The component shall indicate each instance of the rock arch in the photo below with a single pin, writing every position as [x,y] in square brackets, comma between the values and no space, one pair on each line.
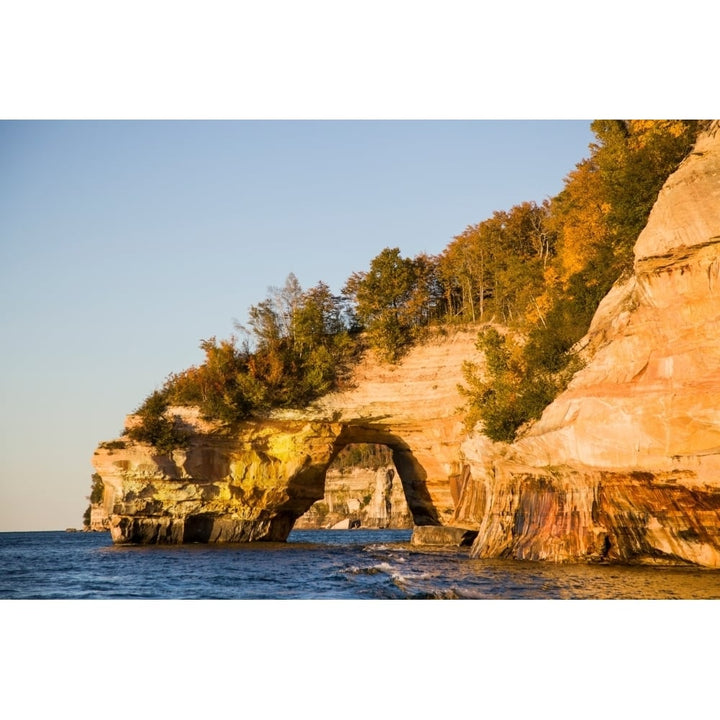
[251,486]
[253,483]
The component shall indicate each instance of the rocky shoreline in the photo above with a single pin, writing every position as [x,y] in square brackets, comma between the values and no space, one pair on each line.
[623,466]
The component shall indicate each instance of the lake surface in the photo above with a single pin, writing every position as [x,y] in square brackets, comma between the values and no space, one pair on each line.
[328,564]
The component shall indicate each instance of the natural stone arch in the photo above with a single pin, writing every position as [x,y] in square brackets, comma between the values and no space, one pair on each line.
[253,482]
[314,447]
[251,486]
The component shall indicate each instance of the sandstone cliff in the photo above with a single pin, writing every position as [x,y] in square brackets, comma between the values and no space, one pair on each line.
[625,465]
[254,483]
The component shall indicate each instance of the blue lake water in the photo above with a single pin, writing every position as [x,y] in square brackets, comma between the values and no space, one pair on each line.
[340,564]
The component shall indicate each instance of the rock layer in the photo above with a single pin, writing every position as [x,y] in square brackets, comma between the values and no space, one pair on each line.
[625,465]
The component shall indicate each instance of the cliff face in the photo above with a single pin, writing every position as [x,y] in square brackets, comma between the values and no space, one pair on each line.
[254,484]
[625,464]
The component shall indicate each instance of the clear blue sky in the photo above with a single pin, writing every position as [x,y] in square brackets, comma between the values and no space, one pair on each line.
[123,244]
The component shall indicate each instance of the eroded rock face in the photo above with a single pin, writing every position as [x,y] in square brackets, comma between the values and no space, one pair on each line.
[253,484]
[220,489]
[625,465]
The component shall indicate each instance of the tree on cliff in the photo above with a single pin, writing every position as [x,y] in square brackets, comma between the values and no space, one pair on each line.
[297,347]
[496,268]
[395,298]
[509,392]
[96,495]
[302,344]
[380,297]
[156,427]
[634,158]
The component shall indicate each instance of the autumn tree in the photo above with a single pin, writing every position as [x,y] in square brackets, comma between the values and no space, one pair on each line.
[425,304]
[524,247]
[634,158]
[497,267]
[464,269]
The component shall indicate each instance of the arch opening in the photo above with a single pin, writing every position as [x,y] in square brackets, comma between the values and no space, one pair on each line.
[362,490]
[373,480]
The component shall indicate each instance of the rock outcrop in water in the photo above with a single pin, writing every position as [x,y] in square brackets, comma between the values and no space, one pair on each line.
[254,483]
[625,465]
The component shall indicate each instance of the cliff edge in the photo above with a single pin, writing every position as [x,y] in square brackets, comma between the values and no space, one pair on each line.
[625,464]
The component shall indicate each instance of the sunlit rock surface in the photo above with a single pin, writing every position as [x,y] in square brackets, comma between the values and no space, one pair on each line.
[625,465]
[220,489]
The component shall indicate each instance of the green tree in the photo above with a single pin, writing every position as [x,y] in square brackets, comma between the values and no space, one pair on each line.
[509,393]
[97,489]
[155,427]
[383,299]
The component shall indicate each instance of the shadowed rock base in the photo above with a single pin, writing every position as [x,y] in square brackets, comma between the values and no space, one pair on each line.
[201,528]
[569,515]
